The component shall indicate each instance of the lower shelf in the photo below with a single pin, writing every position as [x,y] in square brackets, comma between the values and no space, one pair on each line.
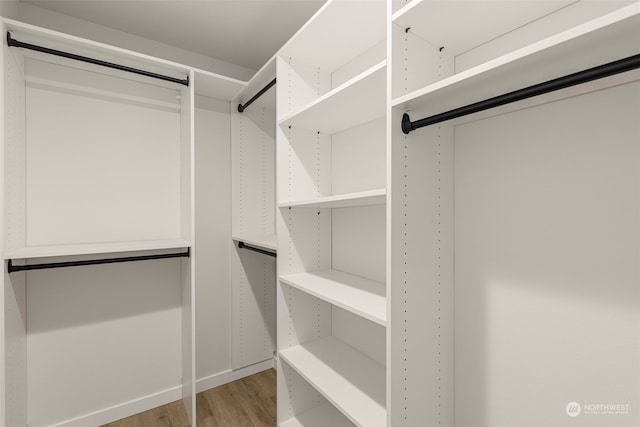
[351,381]
[321,416]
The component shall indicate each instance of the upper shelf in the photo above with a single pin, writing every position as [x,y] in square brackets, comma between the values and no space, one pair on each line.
[207,83]
[611,37]
[362,198]
[337,33]
[259,80]
[363,94]
[95,248]
[216,86]
[439,22]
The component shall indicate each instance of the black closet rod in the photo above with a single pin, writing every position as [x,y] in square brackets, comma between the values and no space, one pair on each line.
[11,268]
[269,85]
[242,245]
[15,43]
[595,73]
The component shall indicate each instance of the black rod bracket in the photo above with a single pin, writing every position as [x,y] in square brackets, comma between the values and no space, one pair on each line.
[243,245]
[601,71]
[11,42]
[11,268]
[242,107]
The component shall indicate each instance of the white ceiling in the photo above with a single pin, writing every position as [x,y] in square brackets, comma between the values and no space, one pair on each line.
[242,32]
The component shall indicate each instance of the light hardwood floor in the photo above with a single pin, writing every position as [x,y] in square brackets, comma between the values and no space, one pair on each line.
[248,402]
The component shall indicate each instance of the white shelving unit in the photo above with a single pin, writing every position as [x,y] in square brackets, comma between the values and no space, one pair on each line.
[79,184]
[332,306]
[354,383]
[501,169]
[253,223]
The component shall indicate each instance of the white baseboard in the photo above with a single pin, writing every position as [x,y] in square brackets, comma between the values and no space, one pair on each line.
[142,404]
[228,376]
[124,410]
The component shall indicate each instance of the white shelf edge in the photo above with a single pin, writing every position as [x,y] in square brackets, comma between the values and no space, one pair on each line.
[266,241]
[527,51]
[95,248]
[328,382]
[405,9]
[257,77]
[322,415]
[369,197]
[345,86]
[329,290]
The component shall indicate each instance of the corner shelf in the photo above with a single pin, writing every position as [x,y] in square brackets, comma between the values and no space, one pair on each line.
[362,198]
[540,61]
[320,416]
[351,381]
[358,295]
[364,94]
[95,248]
[216,86]
[268,242]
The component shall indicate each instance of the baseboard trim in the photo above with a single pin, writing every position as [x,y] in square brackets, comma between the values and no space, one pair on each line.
[124,410]
[151,401]
[225,377]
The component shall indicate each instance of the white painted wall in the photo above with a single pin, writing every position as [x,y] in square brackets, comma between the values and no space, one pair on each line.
[9,8]
[213,237]
[81,28]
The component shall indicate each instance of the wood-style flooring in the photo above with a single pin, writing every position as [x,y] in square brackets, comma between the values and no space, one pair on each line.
[248,402]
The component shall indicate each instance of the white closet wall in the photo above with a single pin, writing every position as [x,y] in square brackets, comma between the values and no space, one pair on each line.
[213,233]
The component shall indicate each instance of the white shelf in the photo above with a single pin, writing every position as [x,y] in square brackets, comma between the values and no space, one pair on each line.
[439,22]
[356,294]
[599,41]
[259,80]
[321,416]
[337,33]
[352,382]
[263,241]
[216,86]
[95,248]
[362,198]
[364,95]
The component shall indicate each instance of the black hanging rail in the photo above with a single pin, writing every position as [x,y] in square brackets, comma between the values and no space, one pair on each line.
[595,73]
[242,107]
[242,245]
[15,43]
[13,268]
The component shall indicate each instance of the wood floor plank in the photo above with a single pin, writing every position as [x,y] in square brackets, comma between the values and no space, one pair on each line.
[247,402]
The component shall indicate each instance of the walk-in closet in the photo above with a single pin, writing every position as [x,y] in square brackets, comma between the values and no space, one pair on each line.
[372,213]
